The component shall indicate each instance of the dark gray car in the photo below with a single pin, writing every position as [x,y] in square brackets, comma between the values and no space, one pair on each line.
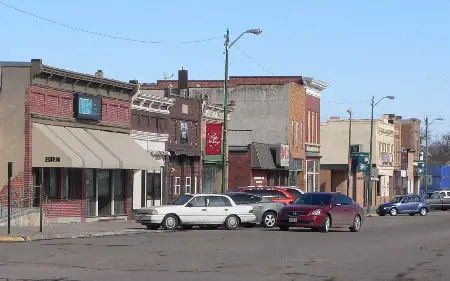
[439,202]
[265,210]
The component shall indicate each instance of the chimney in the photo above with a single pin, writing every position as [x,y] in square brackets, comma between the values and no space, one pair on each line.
[99,73]
[182,79]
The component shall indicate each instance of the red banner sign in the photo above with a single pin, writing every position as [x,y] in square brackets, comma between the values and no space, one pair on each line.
[213,145]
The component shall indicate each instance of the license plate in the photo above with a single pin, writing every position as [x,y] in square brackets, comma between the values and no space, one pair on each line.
[292,219]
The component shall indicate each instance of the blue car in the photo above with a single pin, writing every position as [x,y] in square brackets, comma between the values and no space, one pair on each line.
[405,204]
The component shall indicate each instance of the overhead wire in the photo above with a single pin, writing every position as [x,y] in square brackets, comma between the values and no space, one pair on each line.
[253,60]
[102,34]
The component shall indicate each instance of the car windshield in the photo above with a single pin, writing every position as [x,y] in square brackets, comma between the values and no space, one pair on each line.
[294,192]
[397,199]
[313,199]
[436,196]
[182,200]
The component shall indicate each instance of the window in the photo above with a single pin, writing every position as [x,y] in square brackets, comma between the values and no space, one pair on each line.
[347,200]
[313,127]
[183,132]
[313,199]
[415,199]
[296,134]
[292,133]
[312,175]
[309,126]
[240,199]
[216,201]
[317,128]
[153,186]
[294,192]
[182,200]
[187,185]
[199,201]
[72,184]
[302,141]
[176,185]
[52,182]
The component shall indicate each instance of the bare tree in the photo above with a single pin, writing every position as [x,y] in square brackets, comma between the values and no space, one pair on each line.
[439,149]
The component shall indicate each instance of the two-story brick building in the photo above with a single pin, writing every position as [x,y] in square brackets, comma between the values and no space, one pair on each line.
[69,133]
[150,129]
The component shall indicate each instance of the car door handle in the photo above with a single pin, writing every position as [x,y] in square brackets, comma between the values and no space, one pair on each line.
[226,209]
[203,209]
[260,205]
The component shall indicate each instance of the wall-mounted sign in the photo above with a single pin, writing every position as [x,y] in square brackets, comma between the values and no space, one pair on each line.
[282,151]
[87,107]
[52,159]
[213,145]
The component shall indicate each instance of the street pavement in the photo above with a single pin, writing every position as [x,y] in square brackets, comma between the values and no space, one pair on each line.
[387,248]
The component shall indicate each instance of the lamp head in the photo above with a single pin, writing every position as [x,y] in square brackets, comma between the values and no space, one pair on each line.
[390,97]
[256,31]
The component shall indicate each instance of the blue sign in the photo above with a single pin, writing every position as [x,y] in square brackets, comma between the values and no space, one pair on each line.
[88,107]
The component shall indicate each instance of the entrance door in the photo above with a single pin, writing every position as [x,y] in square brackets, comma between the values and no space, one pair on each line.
[91,194]
[210,178]
[153,194]
[104,192]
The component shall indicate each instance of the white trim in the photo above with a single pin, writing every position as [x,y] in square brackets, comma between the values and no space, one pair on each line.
[177,187]
[187,187]
[195,185]
[147,136]
[151,103]
[314,87]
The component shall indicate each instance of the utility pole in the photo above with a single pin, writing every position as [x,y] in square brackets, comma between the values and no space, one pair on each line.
[426,155]
[369,180]
[349,152]
[225,116]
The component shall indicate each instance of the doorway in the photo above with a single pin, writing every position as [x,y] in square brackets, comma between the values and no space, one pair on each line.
[104,192]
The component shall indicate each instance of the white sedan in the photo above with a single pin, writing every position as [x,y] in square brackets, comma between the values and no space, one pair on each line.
[205,210]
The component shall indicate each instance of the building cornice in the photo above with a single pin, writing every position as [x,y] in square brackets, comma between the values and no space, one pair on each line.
[214,111]
[151,103]
[314,87]
[148,136]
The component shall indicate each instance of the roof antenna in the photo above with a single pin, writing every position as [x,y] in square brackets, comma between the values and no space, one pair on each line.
[166,76]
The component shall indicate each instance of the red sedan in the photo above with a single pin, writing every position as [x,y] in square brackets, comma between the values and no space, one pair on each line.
[322,211]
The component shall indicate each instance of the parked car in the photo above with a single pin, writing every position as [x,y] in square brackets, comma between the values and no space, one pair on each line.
[438,202]
[276,194]
[404,204]
[322,211]
[265,210]
[443,193]
[428,195]
[208,210]
[293,190]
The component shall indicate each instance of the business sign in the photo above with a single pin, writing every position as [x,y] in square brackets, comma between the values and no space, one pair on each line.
[87,107]
[362,161]
[420,167]
[213,142]
[282,152]
[50,159]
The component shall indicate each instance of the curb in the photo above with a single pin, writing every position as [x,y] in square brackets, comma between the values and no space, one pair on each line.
[373,215]
[9,239]
[40,237]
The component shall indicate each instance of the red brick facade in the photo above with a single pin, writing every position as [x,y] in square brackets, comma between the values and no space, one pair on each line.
[313,108]
[240,167]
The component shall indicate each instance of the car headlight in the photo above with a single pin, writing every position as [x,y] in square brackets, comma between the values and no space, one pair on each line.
[386,207]
[154,212]
[316,212]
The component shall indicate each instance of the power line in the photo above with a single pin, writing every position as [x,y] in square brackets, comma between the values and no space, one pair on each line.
[253,60]
[343,103]
[101,34]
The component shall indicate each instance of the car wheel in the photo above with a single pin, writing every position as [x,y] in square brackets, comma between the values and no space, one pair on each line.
[152,227]
[412,215]
[326,224]
[284,228]
[423,211]
[170,222]
[393,212]
[356,226]
[232,222]
[269,219]
[187,227]
[248,225]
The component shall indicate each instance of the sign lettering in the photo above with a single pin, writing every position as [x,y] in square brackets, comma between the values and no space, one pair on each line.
[52,159]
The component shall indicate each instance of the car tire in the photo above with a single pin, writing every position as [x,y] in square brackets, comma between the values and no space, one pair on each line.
[356,226]
[232,222]
[269,219]
[326,224]
[423,211]
[393,212]
[187,227]
[412,215]
[152,227]
[170,222]
[284,228]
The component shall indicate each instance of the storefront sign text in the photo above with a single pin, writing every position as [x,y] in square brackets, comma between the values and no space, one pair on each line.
[52,159]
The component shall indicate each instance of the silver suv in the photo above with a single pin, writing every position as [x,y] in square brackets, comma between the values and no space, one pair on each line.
[264,209]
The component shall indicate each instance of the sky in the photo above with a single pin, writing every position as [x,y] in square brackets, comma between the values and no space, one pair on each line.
[361,48]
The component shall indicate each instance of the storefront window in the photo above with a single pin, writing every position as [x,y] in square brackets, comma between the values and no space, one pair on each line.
[91,197]
[119,193]
[72,184]
[153,186]
[52,182]
[312,175]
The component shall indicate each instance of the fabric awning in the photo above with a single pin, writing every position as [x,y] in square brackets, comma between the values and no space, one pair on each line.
[130,154]
[49,149]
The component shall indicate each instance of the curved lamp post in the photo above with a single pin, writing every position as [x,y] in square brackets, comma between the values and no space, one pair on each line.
[228,45]
[369,181]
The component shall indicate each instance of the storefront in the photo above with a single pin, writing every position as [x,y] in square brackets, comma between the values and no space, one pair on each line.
[78,145]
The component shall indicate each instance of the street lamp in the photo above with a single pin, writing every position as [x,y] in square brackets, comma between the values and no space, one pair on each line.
[349,111]
[369,182]
[426,149]
[228,45]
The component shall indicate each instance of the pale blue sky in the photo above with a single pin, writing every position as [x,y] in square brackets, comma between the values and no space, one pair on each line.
[360,48]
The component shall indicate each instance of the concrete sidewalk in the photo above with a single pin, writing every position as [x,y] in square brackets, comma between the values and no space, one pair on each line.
[73,230]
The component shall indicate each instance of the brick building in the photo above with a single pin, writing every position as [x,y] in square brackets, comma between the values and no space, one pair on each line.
[150,129]
[184,164]
[69,132]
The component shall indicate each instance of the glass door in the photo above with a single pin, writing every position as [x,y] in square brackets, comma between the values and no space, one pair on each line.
[104,192]
[91,193]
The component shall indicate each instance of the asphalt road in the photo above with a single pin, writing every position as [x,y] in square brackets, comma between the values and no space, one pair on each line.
[387,248]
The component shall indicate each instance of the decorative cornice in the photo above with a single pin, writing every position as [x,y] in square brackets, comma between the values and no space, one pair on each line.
[314,87]
[214,111]
[147,136]
[151,103]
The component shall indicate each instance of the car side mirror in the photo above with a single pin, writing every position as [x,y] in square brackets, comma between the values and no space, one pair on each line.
[189,205]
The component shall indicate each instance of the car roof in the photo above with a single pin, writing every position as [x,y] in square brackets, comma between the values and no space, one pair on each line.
[205,194]
[323,193]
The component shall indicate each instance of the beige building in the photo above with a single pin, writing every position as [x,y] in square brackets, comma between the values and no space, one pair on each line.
[334,146]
